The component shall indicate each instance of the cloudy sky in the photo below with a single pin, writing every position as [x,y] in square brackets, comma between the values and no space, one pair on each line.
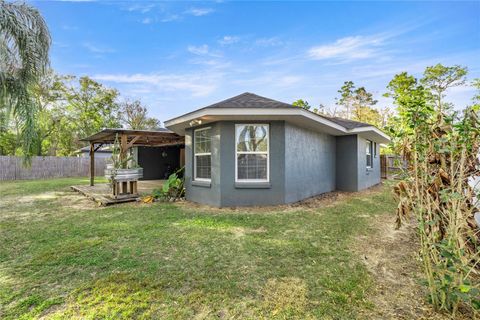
[179,56]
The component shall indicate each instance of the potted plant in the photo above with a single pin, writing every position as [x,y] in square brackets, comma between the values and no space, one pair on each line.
[119,169]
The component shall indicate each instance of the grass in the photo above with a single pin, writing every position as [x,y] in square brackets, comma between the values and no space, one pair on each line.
[61,258]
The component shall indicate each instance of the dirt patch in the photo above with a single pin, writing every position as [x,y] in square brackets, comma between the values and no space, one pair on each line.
[285,295]
[310,204]
[391,257]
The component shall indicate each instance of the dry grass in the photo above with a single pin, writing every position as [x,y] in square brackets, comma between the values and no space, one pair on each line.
[391,257]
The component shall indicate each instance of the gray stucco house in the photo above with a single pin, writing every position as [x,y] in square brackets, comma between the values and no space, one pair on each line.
[249,150]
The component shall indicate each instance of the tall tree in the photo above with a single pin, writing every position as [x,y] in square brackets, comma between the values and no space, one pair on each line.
[92,106]
[362,107]
[358,104]
[134,116]
[438,79]
[88,108]
[24,45]
[302,104]
[49,95]
[346,99]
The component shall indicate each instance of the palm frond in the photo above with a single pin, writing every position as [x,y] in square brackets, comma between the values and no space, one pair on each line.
[24,46]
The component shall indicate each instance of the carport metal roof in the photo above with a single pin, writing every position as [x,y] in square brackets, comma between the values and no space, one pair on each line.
[152,138]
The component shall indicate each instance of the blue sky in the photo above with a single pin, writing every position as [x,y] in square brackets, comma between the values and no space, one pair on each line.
[179,56]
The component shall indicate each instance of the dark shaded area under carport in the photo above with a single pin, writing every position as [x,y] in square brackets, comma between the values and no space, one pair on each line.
[158,162]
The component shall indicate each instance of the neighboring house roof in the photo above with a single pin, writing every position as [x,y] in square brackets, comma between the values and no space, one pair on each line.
[249,106]
[106,149]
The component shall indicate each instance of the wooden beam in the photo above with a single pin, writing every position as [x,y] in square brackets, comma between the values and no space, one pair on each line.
[92,164]
[99,146]
[130,144]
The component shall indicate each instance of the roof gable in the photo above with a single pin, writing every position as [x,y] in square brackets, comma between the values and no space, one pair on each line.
[249,100]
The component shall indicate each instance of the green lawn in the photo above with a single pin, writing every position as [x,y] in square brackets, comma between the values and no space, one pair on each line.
[61,257]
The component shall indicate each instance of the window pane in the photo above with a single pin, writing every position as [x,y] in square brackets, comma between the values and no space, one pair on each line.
[252,138]
[369,160]
[202,141]
[203,167]
[252,166]
[369,147]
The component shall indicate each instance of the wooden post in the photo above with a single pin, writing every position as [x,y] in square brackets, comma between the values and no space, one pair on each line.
[92,164]
[123,156]
[123,147]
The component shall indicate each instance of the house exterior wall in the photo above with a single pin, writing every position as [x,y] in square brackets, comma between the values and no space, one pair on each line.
[371,176]
[302,164]
[207,193]
[235,194]
[347,163]
[309,163]
[352,173]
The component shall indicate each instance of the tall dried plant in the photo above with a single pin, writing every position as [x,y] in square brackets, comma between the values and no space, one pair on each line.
[442,148]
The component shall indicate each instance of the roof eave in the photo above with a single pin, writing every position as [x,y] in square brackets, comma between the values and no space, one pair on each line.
[208,115]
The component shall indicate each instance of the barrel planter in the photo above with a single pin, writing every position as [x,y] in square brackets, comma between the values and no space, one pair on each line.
[124,184]
[124,174]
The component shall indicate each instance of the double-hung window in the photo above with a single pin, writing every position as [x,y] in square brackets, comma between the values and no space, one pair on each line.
[252,153]
[202,147]
[369,152]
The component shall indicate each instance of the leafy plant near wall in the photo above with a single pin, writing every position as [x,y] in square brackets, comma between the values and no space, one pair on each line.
[442,147]
[173,189]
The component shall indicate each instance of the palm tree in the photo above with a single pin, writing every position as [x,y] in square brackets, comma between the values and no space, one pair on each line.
[24,45]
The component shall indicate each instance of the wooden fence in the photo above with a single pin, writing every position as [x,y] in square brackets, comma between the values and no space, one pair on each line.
[391,166]
[12,168]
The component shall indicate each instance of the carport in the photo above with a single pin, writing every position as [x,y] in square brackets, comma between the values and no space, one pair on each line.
[159,152]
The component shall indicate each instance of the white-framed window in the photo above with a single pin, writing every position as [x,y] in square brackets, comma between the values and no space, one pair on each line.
[368,150]
[252,152]
[202,154]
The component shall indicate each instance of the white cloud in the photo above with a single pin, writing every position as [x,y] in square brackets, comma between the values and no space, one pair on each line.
[198,12]
[143,8]
[349,48]
[196,84]
[270,79]
[199,50]
[269,42]
[170,18]
[203,50]
[226,40]
[147,21]
[97,49]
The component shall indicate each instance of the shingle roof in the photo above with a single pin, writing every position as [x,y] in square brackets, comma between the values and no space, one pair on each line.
[250,100]
[349,124]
